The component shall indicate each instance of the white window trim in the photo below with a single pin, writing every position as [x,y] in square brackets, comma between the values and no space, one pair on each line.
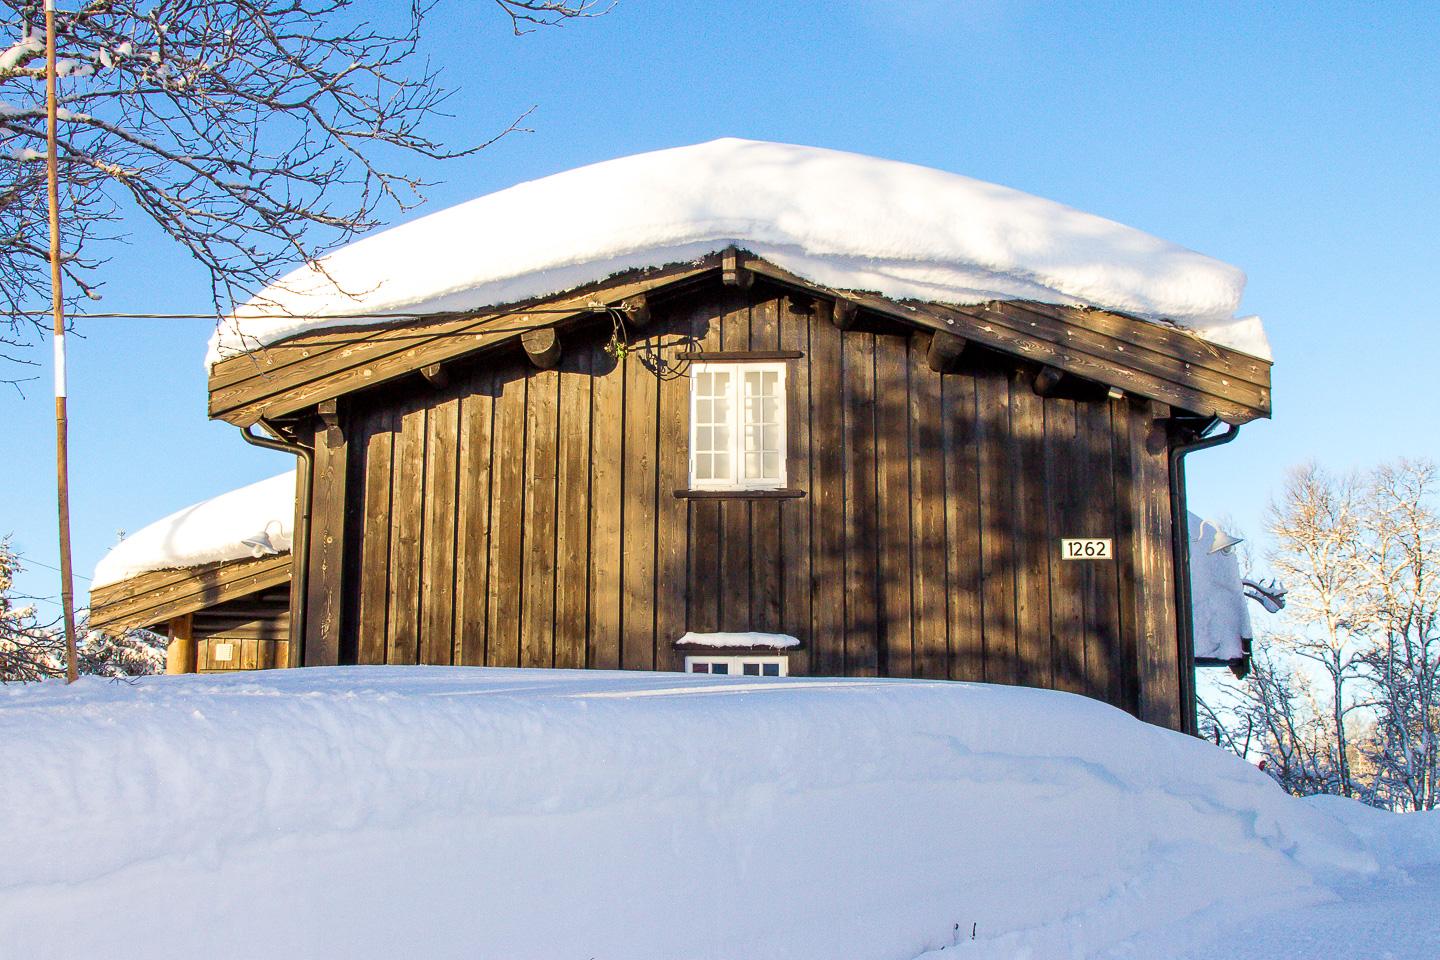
[737,427]
[737,662]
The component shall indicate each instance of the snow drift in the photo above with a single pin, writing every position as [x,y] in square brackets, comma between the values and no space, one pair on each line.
[842,220]
[454,812]
[207,532]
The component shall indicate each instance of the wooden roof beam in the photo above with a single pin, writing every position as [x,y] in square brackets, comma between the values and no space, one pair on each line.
[945,350]
[542,346]
[844,313]
[1047,380]
[733,271]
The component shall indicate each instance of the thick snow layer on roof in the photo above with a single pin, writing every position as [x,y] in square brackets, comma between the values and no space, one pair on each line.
[838,219]
[774,641]
[207,532]
[462,812]
[1221,611]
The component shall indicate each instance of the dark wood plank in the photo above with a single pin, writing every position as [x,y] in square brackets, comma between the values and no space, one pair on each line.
[717,356]
[1128,653]
[607,419]
[1066,469]
[437,580]
[795,541]
[637,611]
[765,576]
[372,626]
[507,527]
[1158,642]
[705,534]
[1107,667]
[672,514]
[893,502]
[408,478]
[472,521]
[1032,534]
[861,535]
[572,531]
[928,560]
[963,593]
[735,554]
[997,522]
[827,497]
[325,582]
[537,634]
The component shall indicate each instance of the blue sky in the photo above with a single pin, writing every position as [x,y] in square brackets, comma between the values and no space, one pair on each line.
[1298,141]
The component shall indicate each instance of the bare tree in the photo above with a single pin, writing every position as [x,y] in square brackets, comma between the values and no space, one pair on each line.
[1321,555]
[254,133]
[1404,659]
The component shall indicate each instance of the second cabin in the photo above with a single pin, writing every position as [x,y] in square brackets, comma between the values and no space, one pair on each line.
[749,461]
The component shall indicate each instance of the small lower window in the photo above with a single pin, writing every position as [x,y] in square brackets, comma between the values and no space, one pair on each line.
[743,666]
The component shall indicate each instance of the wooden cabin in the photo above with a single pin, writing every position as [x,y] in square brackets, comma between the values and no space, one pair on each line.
[609,477]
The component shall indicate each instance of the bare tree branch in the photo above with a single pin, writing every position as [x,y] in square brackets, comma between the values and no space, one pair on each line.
[254,133]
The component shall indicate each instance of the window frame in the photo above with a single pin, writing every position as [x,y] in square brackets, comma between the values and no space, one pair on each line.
[737,662]
[737,370]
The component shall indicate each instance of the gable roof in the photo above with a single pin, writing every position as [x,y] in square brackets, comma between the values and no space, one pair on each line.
[839,220]
[1143,358]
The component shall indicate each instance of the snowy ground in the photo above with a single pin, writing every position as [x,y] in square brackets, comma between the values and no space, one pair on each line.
[443,812]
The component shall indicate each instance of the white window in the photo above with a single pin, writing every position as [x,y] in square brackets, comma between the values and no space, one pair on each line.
[741,666]
[737,426]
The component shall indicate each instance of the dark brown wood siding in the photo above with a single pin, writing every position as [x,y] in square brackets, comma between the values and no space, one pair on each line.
[514,516]
[249,633]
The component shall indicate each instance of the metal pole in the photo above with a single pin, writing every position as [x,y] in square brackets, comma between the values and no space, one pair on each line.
[57,308]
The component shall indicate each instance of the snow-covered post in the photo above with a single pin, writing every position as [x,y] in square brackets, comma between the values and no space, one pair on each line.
[57,308]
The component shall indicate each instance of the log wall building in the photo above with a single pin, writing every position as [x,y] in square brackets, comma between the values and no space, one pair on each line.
[514,488]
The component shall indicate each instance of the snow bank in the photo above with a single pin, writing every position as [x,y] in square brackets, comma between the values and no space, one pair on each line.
[448,812]
[774,641]
[839,219]
[208,532]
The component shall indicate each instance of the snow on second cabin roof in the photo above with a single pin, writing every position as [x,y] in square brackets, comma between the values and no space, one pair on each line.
[208,532]
[841,220]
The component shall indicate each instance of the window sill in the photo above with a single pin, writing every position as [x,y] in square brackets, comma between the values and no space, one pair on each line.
[782,493]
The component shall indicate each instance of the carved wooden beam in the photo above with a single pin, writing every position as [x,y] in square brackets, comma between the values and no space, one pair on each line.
[436,374]
[329,413]
[945,349]
[1047,380]
[543,347]
[732,269]
[637,312]
[843,314]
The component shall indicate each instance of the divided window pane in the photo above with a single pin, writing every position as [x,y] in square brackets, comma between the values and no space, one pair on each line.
[737,425]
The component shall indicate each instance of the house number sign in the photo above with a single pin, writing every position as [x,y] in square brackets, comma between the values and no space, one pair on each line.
[1087,548]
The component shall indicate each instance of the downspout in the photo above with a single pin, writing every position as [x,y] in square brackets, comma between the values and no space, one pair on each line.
[1180,542]
[300,541]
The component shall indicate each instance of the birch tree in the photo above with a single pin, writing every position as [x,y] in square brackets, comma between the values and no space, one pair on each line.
[1320,553]
[1404,658]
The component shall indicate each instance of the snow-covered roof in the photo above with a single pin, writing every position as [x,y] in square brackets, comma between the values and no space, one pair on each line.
[771,641]
[208,532]
[838,219]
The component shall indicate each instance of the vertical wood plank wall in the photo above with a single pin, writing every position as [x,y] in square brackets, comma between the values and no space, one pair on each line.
[525,517]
